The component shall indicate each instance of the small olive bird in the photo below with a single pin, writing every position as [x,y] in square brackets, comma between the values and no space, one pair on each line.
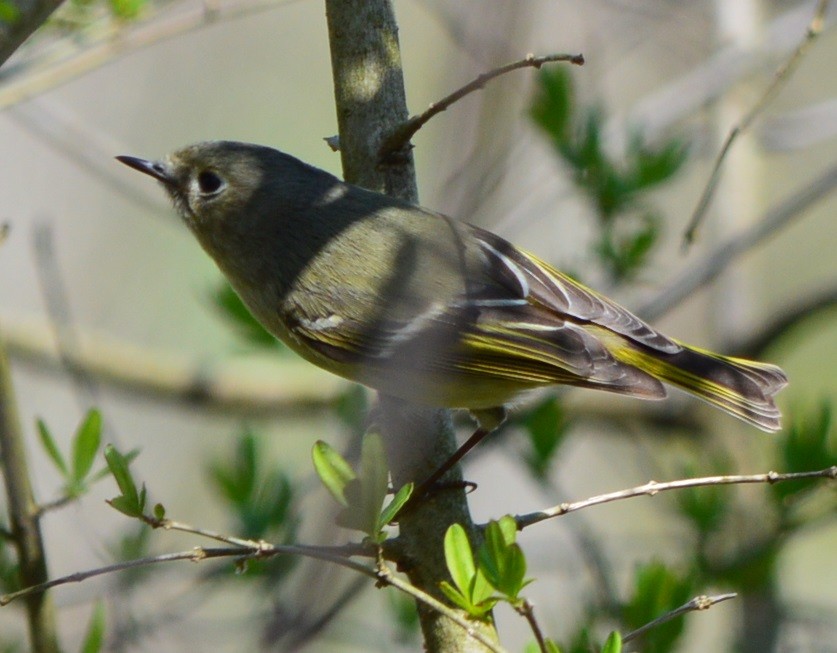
[421,306]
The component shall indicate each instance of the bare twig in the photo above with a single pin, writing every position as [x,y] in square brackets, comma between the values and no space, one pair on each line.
[780,77]
[337,555]
[527,611]
[196,555]
[698,603]
[710,267]
[345,550]
[405,131]
[653,487]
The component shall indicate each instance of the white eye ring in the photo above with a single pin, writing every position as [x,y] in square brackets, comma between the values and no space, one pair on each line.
[209,182]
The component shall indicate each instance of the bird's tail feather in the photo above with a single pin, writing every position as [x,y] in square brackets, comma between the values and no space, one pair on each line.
[742,388]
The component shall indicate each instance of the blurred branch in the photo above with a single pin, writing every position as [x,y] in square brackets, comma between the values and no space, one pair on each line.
[60,314]
[802,311]
[781,76]
[402,134]
[228,386]
[104,45]
[712,265]
[23,517]
[653,487]
[698,603]
[30,15]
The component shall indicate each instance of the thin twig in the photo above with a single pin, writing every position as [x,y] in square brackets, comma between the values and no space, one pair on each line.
[55,504]
[702,602]
[344,550]
[337,555]
[653,487]
[527,611]
[716,262]
[780,77]
[196,555]
[406,130]
[221,385]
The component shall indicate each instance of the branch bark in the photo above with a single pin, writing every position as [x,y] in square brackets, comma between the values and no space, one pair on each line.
[370,100]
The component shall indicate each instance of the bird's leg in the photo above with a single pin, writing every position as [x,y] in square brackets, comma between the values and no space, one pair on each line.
[487,421]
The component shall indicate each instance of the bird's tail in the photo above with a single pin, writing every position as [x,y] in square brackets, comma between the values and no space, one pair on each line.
[742,388]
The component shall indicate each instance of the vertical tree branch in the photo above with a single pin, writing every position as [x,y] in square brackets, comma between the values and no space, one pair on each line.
[369,94]
[23,517]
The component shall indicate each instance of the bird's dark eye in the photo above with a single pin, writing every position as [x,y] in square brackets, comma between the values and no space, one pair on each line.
[209,182]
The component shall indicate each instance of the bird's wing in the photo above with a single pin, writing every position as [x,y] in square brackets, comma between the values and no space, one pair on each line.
[556,292]
[519,321]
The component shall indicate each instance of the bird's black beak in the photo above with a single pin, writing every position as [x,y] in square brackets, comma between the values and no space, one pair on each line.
[152,168]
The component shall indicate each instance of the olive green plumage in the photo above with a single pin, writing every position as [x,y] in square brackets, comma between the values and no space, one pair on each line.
[421,306]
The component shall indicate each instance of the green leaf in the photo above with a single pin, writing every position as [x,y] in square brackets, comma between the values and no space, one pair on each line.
[457,598]
[481,592]
[105,471]
[638,245]
[126,506]
[333,470]
[9,12]
[651,167]
[118,466]
[554,103]
[391,511]
[613,643]
[459,558]
[126,9]
[52,448]
[501,559]
[95,636]
[551,646]
[86,444]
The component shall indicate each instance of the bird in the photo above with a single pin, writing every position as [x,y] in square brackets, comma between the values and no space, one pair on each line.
[421,306]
